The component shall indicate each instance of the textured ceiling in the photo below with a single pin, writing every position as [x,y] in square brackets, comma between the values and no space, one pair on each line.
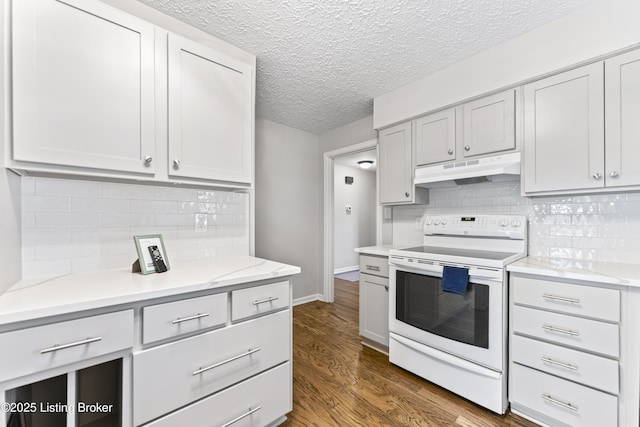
[321,62]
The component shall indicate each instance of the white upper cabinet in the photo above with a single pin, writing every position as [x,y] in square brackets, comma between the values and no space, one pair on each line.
[99,92]
[564,131]
[582,128]
[489,124]
[395,164]
[480,127]
[83,86]
[436,137]
[210,113]
[622,106]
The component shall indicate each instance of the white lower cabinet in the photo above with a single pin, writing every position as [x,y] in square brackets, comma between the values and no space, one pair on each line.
[255,402]
[567,352]
[560,401]
[374,301]
[196,367]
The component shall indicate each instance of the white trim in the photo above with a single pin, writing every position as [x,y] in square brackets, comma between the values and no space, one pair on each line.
[329,156]
[345,269]
[308,298]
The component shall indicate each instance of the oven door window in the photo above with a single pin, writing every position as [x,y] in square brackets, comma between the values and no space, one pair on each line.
[421,302]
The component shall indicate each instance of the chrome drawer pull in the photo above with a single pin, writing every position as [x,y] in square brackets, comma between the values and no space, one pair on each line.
[548,398]
[224,362]
[251,411]
[560,330]
[547,359]
[372,267]
[71,344]
[561,298]
[262,301]
[186,319]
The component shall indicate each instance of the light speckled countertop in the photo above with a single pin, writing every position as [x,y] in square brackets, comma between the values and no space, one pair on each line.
[381,250]
[592,271]
[42,297]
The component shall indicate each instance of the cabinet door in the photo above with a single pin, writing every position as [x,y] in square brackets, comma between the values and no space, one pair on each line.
[83,90]
[436,137]
[210,114]
[396,164]
[489,124]
[622,106]
[564,131]
[374,308]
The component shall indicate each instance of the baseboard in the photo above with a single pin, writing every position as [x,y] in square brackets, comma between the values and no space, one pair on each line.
[345,269]
[309,298]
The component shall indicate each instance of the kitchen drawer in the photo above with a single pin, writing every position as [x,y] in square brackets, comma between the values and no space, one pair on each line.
[264,397]
[592,335]
[589,407]
[162,321]
[584,368]
[259,300]
[598,303]
[376,265]
[196,367]
[40,348]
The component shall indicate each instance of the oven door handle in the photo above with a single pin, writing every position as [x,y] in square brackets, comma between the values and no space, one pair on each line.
[477,273]
[447,358]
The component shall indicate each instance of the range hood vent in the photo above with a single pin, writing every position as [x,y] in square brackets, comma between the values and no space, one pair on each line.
[496,168]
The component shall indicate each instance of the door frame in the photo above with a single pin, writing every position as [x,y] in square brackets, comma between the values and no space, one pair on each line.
[329,157]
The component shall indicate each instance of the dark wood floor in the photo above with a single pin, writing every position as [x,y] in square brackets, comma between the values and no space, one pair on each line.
[339,382]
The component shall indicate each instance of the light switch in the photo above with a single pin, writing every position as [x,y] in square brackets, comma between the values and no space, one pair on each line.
[201,223]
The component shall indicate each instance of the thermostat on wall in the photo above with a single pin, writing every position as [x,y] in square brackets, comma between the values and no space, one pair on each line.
[348,180]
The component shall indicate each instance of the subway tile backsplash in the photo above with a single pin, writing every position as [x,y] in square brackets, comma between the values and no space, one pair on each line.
[72,226]
[598,227]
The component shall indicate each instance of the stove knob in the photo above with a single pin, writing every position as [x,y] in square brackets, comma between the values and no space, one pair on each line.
[504,223]
[428,222]
[515,223]
[444,222]
[436,222]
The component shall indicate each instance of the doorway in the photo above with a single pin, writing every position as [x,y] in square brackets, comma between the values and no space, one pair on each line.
[338,197]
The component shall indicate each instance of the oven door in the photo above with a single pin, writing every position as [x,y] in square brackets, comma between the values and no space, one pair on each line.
[471,326]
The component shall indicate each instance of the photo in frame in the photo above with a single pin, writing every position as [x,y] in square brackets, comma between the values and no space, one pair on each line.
[152,255]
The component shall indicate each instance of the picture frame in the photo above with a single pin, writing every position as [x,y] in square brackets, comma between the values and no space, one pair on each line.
[145,264]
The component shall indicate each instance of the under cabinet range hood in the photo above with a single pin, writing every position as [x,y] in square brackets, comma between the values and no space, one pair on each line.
[495,168]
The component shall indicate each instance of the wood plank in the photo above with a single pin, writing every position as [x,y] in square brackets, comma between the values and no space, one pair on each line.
[339,382]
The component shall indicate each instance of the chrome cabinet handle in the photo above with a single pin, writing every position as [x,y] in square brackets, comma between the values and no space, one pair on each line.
[386,288]
[262,301]
[560,330]
[561,298]
[467,148]
[450,151]
[567,405]
[186,319]
[406,194]
[176,163]
[224,362]
[614,174]
[597,176]
[148,160]
[373,267]
[251,411]
[69,345]
[547,359]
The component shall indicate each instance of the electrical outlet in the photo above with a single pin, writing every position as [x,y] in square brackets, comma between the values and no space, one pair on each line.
[201,223]
[418,223]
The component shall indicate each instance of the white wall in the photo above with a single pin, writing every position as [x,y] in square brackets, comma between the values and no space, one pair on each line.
[289,203]
[10,238]
[71,226]
[597,29]
[356,228]
[599,227]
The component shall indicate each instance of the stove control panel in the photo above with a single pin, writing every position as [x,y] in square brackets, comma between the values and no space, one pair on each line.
[507,226]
